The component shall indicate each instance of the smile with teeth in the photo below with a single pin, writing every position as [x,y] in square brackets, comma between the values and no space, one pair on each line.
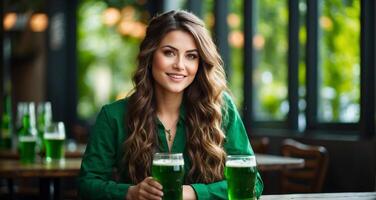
[176,76]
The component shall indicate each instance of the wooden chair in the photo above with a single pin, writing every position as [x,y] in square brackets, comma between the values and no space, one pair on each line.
[260,145]
[309,179]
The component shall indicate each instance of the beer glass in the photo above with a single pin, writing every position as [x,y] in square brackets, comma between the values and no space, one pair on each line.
[27,135]
[241,172]
[54,138]
[168,170]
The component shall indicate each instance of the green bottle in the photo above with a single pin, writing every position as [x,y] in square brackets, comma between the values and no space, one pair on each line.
[27,136]
[6,125]
[44,119]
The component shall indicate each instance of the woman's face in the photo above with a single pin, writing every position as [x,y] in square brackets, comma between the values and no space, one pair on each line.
[175,62]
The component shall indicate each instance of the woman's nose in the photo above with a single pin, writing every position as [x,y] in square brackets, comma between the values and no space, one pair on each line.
[179,64]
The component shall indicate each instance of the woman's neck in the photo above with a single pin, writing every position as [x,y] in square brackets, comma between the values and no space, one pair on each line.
[168,113]
[168,104]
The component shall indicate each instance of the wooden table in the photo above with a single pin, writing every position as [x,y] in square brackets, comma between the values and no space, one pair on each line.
[51,173]
[323,196]
[266,162]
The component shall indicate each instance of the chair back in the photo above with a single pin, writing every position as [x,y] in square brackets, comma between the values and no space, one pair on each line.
[260,145]
[309,179]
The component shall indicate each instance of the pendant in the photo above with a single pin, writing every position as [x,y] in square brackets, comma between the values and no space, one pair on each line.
[168,131]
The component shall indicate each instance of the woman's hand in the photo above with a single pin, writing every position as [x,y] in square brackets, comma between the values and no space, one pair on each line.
[189,193]
[148,189]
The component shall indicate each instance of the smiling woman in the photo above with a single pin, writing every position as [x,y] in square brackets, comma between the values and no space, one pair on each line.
[179,106]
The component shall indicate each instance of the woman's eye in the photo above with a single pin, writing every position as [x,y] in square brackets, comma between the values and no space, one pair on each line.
[192,56]
[168,53]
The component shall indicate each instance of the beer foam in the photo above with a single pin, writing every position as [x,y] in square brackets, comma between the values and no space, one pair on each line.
[241,163]
[168,162]
[27,139]
[49,136]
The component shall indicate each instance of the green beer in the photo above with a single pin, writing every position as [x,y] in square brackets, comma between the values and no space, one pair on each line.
[27,135]
[54,138]
[168,170]
[27,145]
[241,172]
[54,147]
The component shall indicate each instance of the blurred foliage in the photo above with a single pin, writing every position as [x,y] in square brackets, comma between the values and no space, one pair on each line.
[340,61]
[106,58]
[208,14]
[270,75]
[236,40]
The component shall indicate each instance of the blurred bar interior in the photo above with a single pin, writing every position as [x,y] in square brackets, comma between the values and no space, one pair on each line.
[298,69]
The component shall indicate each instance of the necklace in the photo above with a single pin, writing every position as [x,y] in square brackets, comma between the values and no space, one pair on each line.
[168,131]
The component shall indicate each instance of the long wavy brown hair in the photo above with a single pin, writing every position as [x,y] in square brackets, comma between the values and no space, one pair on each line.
[203,102]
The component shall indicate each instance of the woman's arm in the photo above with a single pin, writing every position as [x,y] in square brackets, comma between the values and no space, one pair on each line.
[189,193]
[95,179]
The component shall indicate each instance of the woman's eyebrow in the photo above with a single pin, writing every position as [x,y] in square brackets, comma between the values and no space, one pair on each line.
[193,50]
[169,46]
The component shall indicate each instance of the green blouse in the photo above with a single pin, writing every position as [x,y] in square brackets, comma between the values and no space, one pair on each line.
[104,153]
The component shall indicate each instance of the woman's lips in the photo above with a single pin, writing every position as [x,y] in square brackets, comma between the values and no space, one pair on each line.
[176,76]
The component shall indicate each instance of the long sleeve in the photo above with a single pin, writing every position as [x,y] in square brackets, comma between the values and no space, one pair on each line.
[95,180]
[236,143]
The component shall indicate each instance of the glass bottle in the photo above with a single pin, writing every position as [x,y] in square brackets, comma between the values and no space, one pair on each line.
[44,118]
[6,124]
[27,136]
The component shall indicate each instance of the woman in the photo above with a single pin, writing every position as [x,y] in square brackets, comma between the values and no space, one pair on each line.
[178,105]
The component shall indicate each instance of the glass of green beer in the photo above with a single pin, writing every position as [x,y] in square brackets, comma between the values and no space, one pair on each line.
[27,148]
[54,138]
[241,172]
[168,170]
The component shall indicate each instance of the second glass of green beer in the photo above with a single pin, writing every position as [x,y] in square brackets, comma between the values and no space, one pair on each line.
[241,172]
[54,138]
[168,170]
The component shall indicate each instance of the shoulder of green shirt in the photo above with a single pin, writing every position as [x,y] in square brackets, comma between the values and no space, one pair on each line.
[229,110]
[116,108]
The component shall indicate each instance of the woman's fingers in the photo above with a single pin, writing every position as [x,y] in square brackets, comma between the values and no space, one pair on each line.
[150,189]
[154,183]
[149,196]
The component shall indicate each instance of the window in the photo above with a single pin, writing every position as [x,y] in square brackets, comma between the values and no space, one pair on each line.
[270,68]
[333,71]
[236,42]
[339,61]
